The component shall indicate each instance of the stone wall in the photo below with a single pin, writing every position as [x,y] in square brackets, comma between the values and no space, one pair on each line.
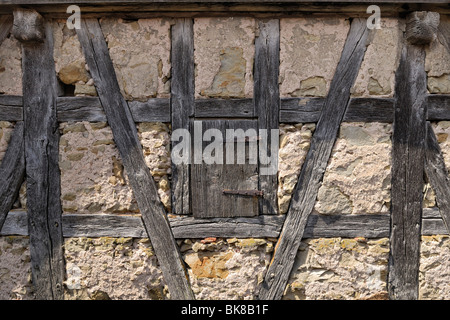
[356,181]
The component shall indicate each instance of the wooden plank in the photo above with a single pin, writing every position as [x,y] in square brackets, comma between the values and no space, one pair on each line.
[437,174]
[11,113]
[370,110]
[304,110]
[125,136]
[347,226]
[370,226]
[444,32]
[408,155]
[14,101]
[432,227]
[103,2]
[224,108]
[210,179]
[255,227]
[80,109]
[431,213]
[90,109]
[153,110]
[6,22]
[267,106]
[438,107]
[42,169]
[182,105]
[293,110]
[12,171]
[103,225]
[313,168]
[300,110]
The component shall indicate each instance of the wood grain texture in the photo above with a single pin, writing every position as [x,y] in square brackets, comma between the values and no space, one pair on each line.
[6,23]
[293,110]
[182,105]
[80,109]
[224,108]
[12,171]
[125,136]
[267,104]
[210,179]
[314,166]
[444,33]
[437,174]
[438,107]
[371,226]
[42,169]
[100,2]
[153,110]
[408,155]
[11,108]
[304,110]
[90,109]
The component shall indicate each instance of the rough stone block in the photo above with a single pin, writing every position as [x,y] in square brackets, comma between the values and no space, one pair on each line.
[224,53]
[310,49]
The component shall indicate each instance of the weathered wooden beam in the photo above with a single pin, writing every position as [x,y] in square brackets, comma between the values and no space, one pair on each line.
[153,110]
[80,109]
[438,107]
[293,110]
[6,22]
[224,108]
[267,107]
[12,171]
[258,9]
[125,136]
[437,174]
[371,226]
[314,166]
[444,33]
[303,110]
[182,105]
[11,108]
[105,2]
[408,155]
[41,140]
[90,109]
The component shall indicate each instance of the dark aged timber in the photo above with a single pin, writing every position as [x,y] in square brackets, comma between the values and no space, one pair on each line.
[220,201]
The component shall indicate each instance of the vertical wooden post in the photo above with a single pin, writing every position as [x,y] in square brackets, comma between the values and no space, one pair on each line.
[182,105]
[41,153]
[267,103]
[408,155]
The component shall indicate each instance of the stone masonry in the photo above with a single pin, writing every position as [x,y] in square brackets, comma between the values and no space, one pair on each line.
[356,181]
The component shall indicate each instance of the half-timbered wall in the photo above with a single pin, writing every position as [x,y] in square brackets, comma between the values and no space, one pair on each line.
[362,175]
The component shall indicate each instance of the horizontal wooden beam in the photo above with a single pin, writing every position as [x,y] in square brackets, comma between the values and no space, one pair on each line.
[293,110]
[224,108]
[437,174]
[296,110]
[135,9]
[11,108]
[438,107]
[264,226]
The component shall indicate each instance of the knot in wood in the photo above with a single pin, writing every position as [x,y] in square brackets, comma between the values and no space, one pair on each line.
[421,27]
[28,26]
